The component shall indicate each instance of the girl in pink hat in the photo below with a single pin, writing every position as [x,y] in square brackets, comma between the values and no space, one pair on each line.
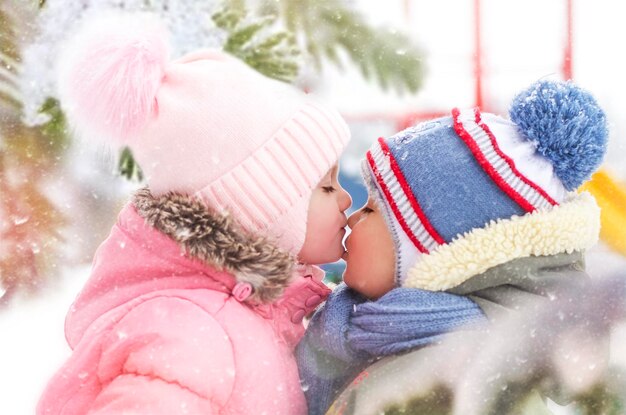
[196,298]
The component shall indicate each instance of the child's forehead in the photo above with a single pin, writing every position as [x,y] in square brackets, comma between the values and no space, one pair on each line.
[332,172]
[372,200]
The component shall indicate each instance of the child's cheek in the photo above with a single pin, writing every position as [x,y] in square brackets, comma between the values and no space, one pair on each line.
[326,228]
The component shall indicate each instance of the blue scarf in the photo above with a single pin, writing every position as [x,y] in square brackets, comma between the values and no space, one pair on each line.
[349,332]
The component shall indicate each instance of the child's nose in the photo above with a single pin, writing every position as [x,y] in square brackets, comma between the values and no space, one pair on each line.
[345,201]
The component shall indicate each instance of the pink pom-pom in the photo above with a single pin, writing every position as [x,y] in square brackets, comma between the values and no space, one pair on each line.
[110,72]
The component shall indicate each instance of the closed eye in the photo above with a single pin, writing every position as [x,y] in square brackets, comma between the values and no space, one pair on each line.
[328,189]
[367,210]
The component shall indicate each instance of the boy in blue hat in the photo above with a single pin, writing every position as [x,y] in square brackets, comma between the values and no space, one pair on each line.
[469,216]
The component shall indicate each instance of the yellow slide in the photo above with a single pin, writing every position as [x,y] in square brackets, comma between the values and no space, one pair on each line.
[611,197]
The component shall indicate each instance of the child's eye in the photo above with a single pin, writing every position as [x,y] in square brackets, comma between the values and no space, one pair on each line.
[367,210]
[328,189]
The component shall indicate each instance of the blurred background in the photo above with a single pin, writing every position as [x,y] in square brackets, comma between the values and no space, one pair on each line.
[384,65]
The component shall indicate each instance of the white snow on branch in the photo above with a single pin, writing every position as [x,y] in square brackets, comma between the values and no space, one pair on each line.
[189,22]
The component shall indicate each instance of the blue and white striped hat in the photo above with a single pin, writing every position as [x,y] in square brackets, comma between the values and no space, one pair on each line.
[442,178]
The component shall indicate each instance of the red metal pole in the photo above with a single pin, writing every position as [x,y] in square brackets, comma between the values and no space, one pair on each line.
[407,11]
[478,70]
[567,58]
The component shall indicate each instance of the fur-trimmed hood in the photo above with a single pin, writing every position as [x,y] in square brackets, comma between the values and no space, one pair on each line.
[570,227]
[218,241]
[173,242]
[168,308]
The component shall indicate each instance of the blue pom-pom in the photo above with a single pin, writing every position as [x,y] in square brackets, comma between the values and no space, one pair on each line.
[566,124]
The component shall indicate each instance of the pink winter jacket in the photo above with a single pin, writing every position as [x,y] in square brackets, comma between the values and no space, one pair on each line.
[160,331]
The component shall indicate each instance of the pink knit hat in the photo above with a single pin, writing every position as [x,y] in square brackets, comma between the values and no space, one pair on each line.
[205,125]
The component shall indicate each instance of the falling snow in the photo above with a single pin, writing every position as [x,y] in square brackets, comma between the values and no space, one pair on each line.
[35,325]
[188,21]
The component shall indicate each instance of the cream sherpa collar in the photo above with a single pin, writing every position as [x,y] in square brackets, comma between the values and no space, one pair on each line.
[572,226]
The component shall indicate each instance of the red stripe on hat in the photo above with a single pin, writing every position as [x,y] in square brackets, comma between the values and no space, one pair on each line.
[484,163]
[409,193]
[393,205]
[510,161]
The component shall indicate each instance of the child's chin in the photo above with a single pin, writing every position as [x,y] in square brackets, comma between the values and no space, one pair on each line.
[329,258]
[334,258]
[335,254]
[346,277]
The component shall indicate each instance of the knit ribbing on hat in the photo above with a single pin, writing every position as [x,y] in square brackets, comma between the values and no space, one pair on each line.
[499,166]
[400,198]
[282,173]
[405,252]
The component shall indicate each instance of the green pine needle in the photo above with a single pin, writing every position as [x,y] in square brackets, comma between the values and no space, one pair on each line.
[56,128]
[128,167]
[259,43]
[326,27]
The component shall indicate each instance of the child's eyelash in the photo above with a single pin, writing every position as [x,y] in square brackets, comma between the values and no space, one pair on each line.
[367,210]
[328,189]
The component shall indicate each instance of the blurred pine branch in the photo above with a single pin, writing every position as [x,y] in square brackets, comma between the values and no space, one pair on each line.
[438,401]
[326,27]
[258,42]
[29,222]
[9,63]
[562,350]
[607,397]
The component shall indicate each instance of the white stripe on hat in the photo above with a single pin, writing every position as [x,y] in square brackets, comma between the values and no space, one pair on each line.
[399,201]
[499,166]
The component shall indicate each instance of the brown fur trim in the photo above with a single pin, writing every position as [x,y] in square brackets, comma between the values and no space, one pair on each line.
[219,241]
